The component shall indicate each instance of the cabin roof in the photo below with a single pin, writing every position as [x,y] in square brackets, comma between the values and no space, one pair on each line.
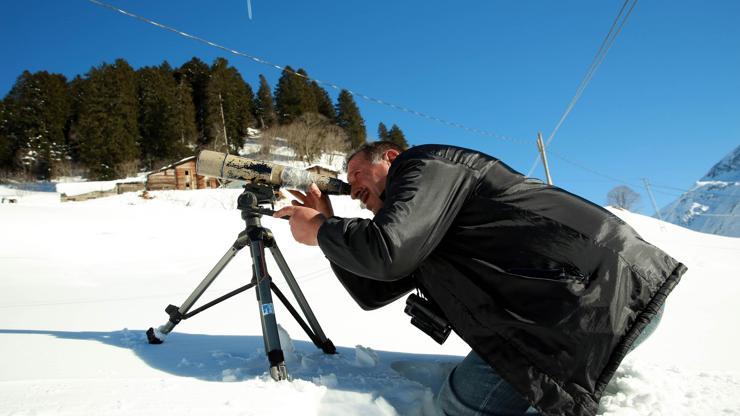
[172,165]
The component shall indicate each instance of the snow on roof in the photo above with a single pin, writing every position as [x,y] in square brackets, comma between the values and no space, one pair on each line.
[172,165]
[325,167]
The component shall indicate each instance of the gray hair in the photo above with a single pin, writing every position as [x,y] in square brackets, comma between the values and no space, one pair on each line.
[373,151]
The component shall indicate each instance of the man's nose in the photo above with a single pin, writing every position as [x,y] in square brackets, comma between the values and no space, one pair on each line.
[354,192]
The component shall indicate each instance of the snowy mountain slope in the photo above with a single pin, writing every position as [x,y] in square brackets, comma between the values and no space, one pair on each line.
[713,205]
[80,282]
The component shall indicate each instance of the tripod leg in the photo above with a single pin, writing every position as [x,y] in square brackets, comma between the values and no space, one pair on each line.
[278,371]
[326,345]
[157,336]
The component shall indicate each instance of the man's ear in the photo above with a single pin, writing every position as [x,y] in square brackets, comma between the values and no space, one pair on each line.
[391,155]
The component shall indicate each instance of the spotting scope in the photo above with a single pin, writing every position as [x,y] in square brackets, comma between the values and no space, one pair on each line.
[225,166]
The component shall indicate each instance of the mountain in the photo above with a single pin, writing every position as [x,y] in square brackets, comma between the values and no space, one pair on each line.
[713,205]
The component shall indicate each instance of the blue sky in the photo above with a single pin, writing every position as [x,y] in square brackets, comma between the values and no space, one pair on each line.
[664,104]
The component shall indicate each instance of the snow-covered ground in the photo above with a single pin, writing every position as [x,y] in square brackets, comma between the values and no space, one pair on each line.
[80,282]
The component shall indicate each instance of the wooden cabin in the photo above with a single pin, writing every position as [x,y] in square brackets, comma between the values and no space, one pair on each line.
[179,176]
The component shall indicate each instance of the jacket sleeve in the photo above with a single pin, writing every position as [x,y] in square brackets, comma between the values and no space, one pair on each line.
[372,294]
[423,197]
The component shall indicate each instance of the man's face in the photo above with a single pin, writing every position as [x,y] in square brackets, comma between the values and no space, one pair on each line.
[368,180]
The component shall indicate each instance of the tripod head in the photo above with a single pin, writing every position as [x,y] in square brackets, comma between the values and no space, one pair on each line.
[255,195]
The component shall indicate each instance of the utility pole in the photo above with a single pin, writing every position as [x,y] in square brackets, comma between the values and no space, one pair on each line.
[652,199]
[543,155]
[223,122]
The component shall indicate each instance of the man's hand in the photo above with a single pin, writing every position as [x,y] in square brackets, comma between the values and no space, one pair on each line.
[304,223]
[314,199]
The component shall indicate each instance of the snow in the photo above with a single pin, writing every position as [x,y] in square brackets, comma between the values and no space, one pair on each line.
[696,209]
[718,184]
[68,186]
[80,282]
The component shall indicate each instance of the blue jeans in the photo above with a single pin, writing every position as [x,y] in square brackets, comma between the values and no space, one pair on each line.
[474,389]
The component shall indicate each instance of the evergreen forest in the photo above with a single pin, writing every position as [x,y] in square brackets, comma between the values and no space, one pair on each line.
[116,121]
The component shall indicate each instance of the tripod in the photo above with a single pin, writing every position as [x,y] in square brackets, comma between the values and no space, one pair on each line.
[257,238]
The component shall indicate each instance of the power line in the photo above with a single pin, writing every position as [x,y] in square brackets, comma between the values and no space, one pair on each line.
[700,192]
[606,44]
[712,192]
[622,181]
[325,83]
[595,64]
[601,53]
[631,183]
[668,187]
[695,190]
[595,172]
[657,191]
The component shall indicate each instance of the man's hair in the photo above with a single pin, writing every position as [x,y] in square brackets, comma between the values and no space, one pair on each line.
[373,151]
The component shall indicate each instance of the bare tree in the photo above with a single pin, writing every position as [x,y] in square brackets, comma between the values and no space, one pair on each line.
[267,140]
[623,197]
[309,135]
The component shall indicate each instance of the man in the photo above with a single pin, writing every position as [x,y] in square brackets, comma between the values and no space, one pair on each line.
[548,289]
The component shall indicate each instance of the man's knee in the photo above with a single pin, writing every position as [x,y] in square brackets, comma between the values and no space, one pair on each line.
[473,388]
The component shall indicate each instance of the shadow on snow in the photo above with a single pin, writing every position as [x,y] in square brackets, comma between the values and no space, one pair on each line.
[227,358]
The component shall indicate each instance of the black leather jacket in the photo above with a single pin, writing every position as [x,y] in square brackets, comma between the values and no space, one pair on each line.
[550,289]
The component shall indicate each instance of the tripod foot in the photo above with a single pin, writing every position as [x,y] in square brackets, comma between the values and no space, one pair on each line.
[155,336]
[328,347]
[279,372]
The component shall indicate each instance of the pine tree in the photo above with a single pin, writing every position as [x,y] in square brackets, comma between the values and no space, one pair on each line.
[186,114]
[309,102]
[382,131]
[264,107]
[6,146]
[229,107]
[324,105]
[56,110]
[10,142]
[196,73]
[160,118]
[73,137]
[396,136]
[108,121]
[349,118]
[245,107]
[293,95]
[154,101]
[37,108]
